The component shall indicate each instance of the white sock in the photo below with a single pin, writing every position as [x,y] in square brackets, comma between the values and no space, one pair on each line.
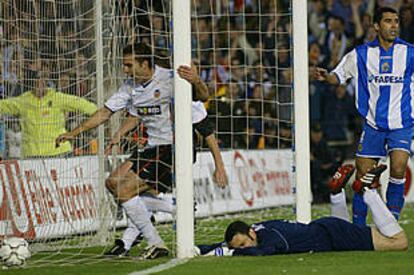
[338,206]
[157,204]
[137,212]
[383,219]
[130,234]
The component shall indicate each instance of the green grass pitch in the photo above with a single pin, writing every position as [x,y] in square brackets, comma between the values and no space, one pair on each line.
[208,231]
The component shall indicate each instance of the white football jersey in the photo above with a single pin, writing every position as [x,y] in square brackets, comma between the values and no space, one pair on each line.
[151,102]
[198,111]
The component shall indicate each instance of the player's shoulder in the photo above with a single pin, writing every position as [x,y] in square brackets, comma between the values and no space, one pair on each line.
[266,224]
[403,42]
[126,87]
[163,74]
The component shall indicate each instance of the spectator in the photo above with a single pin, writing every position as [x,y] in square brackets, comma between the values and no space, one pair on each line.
[336,42]
[315,87]
[317,21]
[42,115]
[337,110]
[13,140]
[285,135]
[323,165]
[407,24]
[348,10]
[230,117]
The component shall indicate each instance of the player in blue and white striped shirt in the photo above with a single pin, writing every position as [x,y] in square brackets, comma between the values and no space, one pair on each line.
[383,72]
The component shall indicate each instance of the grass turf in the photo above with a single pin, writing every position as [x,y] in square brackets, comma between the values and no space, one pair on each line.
[86,262]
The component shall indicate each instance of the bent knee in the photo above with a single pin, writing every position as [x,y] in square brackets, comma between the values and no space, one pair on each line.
[402,241]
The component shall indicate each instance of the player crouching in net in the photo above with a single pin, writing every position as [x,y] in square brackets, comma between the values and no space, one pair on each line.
[333,233]
[201,126]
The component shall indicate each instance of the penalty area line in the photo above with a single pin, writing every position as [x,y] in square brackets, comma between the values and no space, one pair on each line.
[158,268]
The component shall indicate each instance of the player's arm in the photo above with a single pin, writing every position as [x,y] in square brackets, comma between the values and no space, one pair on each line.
[130,123]
[206,131]
[74,103]
[191,75]
[323,75]
[99,117]
[345,70]
[10,106]
[220,175]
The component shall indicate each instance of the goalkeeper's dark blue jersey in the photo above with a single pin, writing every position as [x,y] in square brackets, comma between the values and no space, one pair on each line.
[326,234]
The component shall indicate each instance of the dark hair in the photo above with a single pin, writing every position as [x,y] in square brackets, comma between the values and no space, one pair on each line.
[379,13]
[141,51]
[237,227]
[339,18]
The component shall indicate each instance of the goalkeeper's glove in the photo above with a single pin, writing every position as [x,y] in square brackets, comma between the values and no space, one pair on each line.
[220,251]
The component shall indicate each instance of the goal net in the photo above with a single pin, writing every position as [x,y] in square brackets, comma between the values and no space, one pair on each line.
[243,51]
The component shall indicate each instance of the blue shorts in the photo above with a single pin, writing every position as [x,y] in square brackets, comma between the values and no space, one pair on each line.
[344,236]
[376,143]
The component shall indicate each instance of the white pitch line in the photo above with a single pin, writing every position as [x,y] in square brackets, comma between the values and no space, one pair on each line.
[158,268]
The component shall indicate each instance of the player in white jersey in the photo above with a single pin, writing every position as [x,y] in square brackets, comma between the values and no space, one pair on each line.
[132,234]
[383,72]
[147,96]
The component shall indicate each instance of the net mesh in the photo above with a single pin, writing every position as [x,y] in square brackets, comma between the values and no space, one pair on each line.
[243,52]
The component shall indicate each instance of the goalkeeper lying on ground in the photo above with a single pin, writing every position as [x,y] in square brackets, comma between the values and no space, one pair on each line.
[333,233]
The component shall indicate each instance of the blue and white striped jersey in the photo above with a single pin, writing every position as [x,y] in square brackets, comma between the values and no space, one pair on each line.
[383,79]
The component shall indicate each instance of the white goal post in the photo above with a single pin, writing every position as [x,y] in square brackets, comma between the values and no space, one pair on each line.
[183,126]
[301,106]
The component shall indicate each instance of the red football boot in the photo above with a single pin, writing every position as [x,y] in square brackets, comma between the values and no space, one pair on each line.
[341,177]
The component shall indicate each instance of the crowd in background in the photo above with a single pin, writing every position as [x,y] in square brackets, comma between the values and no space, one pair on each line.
[243,50]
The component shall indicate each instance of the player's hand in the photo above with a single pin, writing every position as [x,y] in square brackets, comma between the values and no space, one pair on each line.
[189,73]
[112,143]
[220,251]
[320,74]
[64,137]
[220,177]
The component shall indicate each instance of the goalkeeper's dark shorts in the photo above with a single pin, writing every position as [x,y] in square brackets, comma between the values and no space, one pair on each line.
[154,166]
[343,236]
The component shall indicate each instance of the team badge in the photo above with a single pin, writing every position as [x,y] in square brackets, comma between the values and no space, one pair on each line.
[157,93]
[360,147]
[385,67]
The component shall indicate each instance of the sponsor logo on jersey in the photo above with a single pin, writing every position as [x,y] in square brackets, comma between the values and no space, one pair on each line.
[149,110]
[385,79]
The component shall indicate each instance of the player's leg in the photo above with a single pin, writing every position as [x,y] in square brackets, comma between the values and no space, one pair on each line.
[395,189]
[155,167]
[388,235]
[115,178]
[130,237]
[370,149]
[336,185]
[125,186]
[128,195]
[359,208]
[399,142]
[382,243]
[156,204]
